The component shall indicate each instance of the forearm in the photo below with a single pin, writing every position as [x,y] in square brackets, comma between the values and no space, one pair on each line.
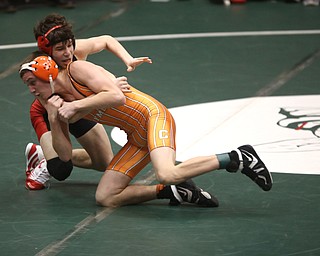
[101,100]
[60,141]
[114,46]
[97,44]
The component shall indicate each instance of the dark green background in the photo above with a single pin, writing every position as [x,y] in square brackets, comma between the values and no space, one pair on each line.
[284,221]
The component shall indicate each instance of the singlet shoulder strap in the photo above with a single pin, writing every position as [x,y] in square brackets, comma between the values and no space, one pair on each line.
[80,88]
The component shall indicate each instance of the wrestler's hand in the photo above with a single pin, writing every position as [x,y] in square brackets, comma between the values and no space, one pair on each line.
[122,83]
[67,110]
[52,106]
[135,62]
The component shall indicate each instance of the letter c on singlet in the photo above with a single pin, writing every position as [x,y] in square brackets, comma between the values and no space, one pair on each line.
[163,134]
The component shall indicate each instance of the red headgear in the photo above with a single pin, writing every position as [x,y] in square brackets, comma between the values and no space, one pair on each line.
[43,42]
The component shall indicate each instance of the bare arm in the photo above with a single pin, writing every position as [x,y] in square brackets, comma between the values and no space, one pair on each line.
[85,47]
[101,82]
[59,130]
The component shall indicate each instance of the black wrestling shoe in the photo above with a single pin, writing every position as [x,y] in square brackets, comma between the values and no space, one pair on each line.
[252,166]
[188,192]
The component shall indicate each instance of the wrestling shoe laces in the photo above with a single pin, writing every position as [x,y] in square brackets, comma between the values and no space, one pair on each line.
[38,177]
[251,165]
[188,192]
[34,155]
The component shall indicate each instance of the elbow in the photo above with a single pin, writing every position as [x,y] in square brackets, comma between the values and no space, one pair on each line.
[120,99]
[106,37]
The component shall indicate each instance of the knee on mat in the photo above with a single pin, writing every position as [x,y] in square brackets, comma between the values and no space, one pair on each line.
[58,169]
[106,201]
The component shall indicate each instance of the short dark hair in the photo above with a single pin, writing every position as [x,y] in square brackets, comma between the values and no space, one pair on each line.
[61,34]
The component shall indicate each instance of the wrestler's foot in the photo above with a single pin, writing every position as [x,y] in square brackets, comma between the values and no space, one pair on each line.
[38,177]
[188,192]
[246,159]
[33,155]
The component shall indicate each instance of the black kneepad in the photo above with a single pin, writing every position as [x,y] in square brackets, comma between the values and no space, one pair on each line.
[58,169]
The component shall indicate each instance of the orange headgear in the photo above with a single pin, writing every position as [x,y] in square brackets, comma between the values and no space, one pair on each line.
[43,41]
[43,67]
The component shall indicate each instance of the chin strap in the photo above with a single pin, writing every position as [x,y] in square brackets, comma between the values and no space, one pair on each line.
[51,84]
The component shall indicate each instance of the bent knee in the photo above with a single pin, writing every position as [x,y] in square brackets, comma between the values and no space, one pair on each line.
[58,169]
[106,200]
[167,178]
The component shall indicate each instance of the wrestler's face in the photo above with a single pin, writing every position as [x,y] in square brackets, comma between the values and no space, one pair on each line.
[37,87]
[62,53]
